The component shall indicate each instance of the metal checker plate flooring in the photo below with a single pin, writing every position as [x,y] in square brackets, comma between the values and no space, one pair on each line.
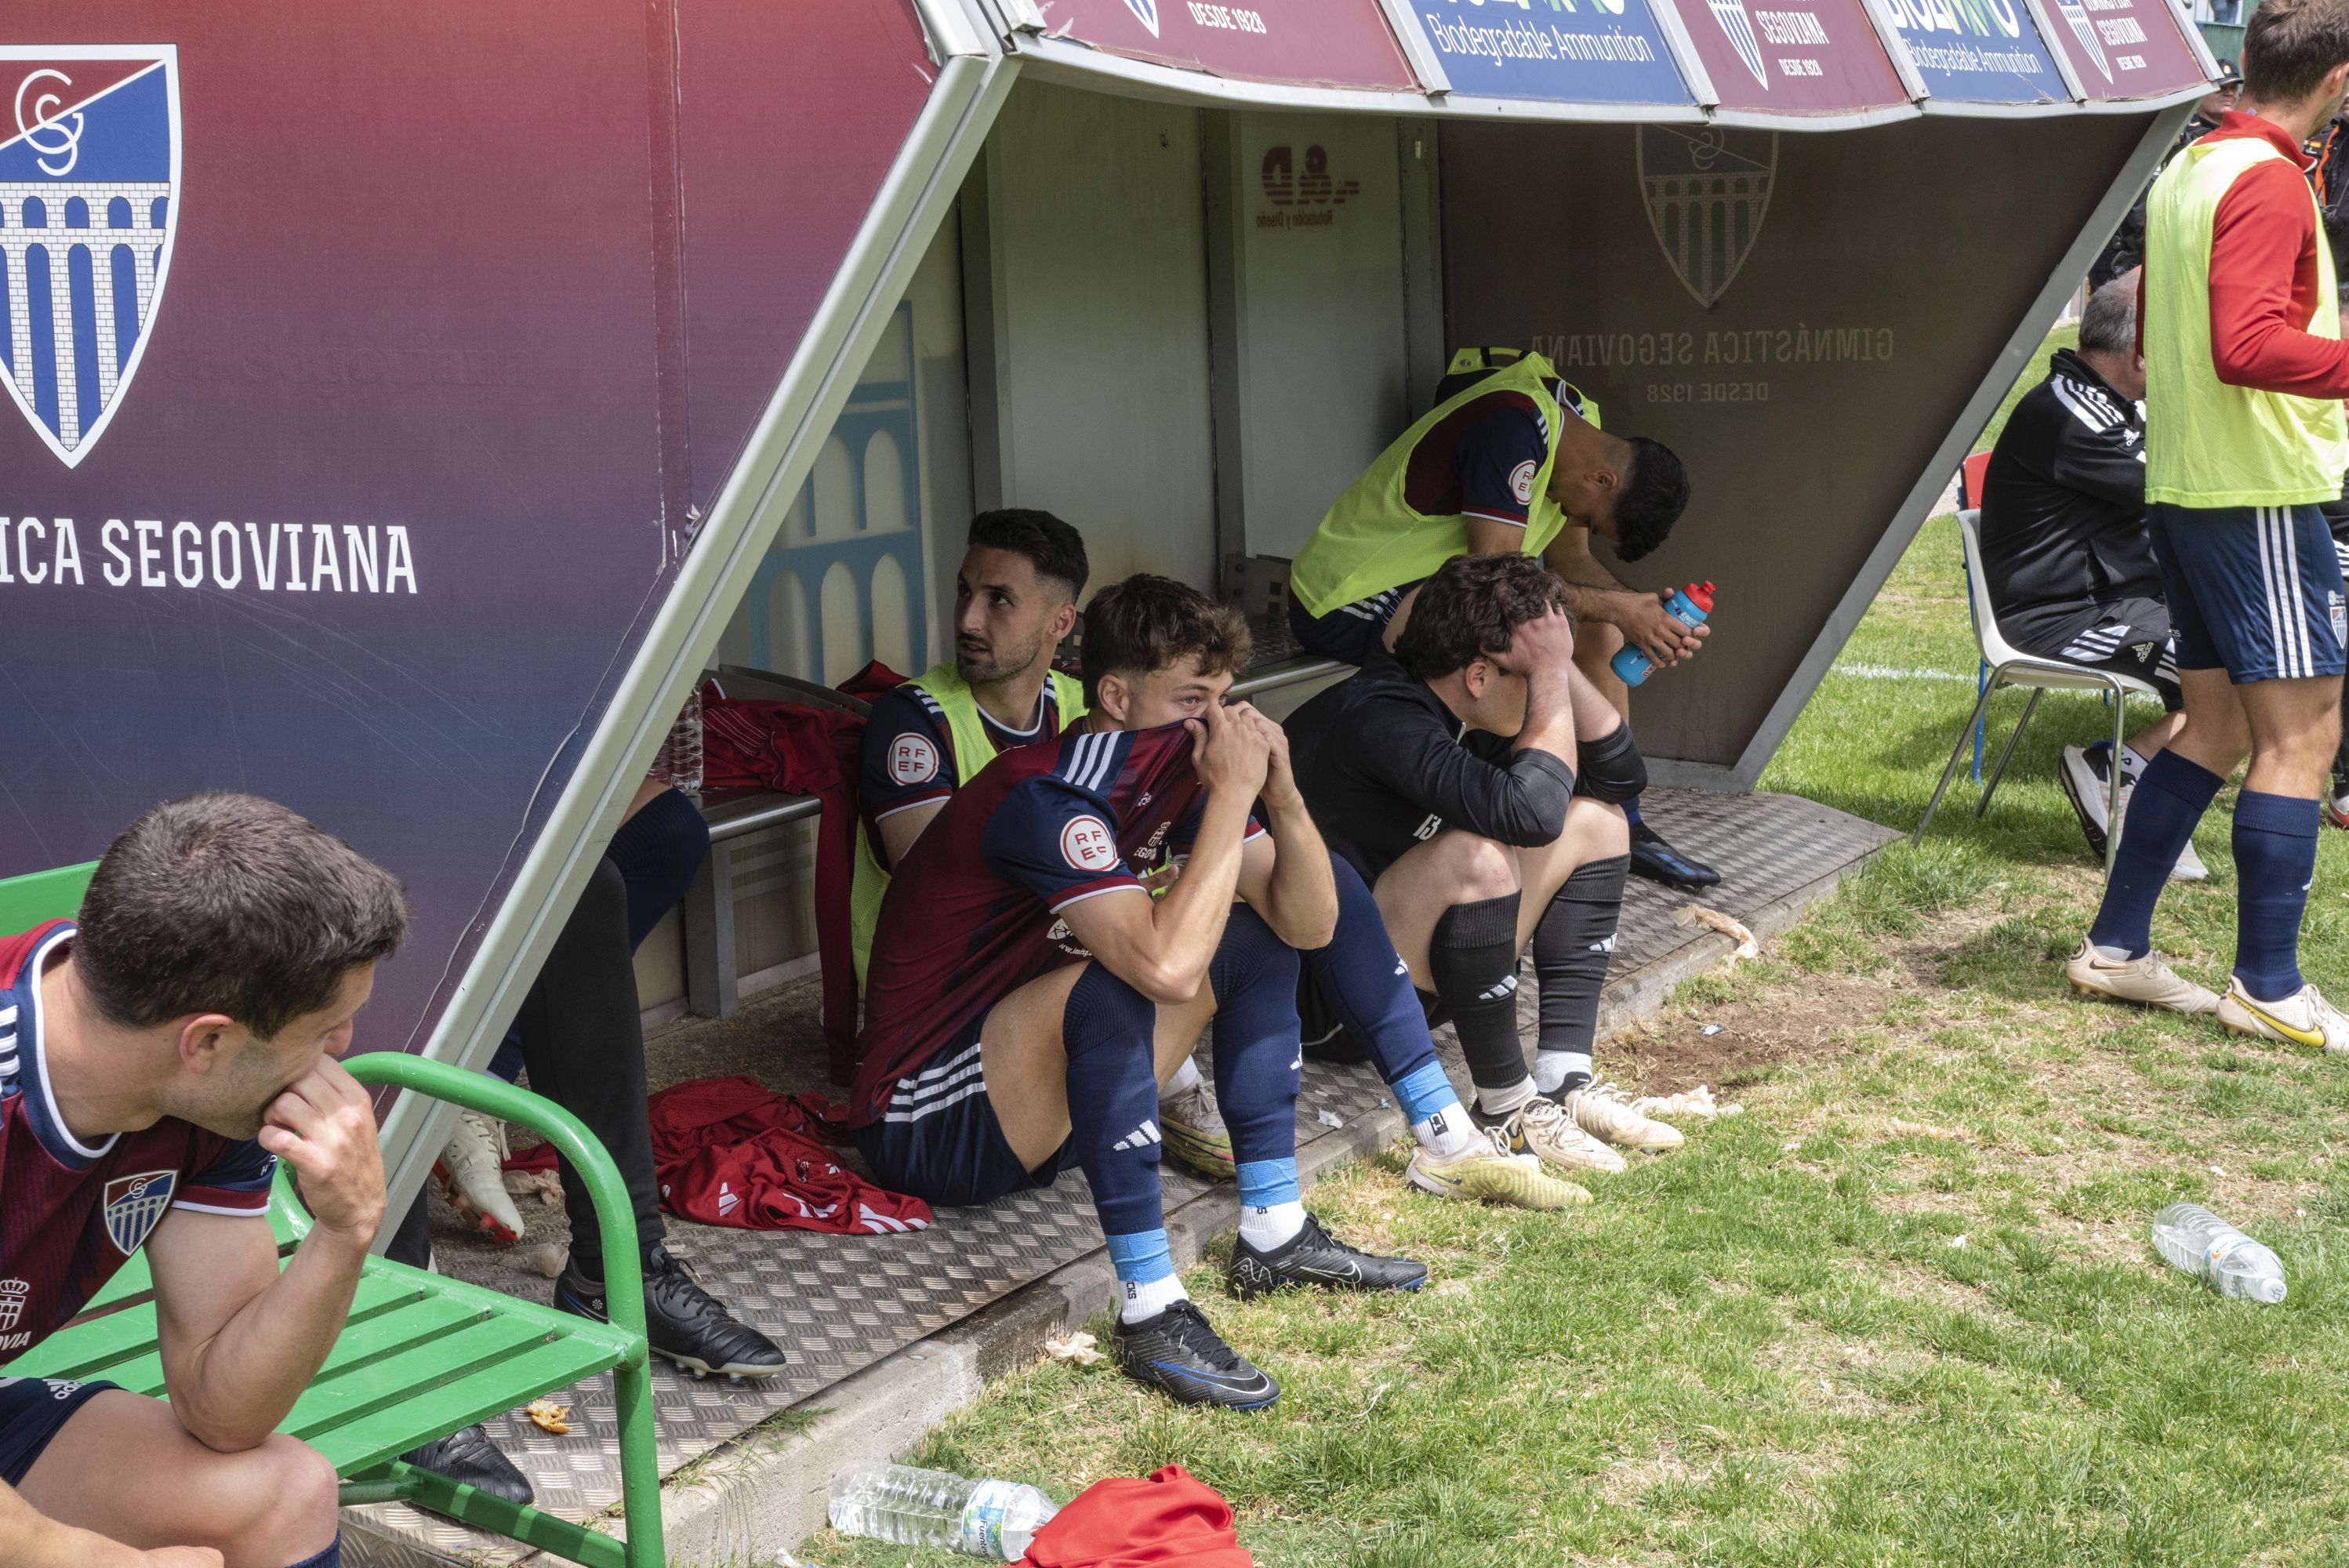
[839,1303]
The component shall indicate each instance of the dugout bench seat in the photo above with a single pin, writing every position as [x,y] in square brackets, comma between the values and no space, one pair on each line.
[421,1355]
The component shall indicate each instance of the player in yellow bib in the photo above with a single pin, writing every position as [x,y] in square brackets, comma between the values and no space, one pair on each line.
[2245,374]
[1511,460]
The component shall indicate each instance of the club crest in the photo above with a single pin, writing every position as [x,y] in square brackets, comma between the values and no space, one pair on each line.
[2085,30]
[135,1205]
[1147,13]
[1739,29]
[89,176]
[1707,191]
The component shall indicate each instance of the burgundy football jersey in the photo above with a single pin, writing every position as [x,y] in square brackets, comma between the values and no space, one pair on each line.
[71,1212]
[973,913]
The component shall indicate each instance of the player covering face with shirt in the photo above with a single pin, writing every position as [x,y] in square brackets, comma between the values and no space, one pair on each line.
[1028,993]
[157,1060]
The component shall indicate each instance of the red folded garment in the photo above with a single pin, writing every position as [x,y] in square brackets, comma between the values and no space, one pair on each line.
[1172,1517]
[733,1152]
[802,749]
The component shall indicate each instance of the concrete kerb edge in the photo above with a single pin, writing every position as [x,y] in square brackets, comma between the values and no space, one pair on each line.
[753,1500]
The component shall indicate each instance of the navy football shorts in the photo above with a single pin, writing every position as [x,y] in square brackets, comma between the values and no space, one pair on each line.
[33,1410]
[1350,632]
[937,1138]
[2254,591]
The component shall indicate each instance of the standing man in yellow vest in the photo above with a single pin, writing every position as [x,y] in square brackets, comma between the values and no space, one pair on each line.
[2245,373]
[1015,603]
[1510,461]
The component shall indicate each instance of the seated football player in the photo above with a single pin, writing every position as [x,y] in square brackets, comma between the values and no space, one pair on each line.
[1445,774]
[1028,994]
[1015,603]
[158,1058]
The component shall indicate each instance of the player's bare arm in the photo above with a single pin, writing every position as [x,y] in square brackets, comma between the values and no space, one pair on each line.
[1161,948]
[1285,875]
[900,828]
[240,1340]
[1595,593]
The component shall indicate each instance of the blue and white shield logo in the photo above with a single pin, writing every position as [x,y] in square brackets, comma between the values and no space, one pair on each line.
[89,180]
[135,1205]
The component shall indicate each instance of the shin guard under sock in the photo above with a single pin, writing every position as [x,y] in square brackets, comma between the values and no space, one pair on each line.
[2170,798]
[1107,1028]
[1473,959]
[2275,861]
[1368,986]
[1259,1066]
[1572,947]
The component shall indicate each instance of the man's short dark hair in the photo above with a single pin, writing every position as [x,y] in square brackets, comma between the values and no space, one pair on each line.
[1654,495]
[231,904]
[1147,623]
[1053,548]
[1472,608]
[2290,45]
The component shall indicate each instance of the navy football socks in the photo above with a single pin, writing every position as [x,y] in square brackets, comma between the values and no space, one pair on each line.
[332,1557]
[2169,800]
[1259,1066]
[1107,1028]
[2275,861]
[1367,986]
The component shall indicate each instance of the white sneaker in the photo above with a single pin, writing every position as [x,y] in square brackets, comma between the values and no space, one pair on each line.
[1608,1114]
[1191,1127]
[1541,1127]
[1489,1172]
[2148,982]
[469,1173]
[2303,1018]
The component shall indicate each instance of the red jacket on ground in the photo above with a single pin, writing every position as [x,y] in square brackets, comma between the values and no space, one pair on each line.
[733,1152]
[1170,1517]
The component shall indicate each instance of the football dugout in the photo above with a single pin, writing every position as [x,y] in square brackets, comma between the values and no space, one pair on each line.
[510,376]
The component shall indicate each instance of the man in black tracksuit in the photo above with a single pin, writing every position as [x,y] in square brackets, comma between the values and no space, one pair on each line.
[2069,568]
[1445,774]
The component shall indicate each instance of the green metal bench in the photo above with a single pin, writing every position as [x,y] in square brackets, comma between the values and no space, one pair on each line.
[422,1356]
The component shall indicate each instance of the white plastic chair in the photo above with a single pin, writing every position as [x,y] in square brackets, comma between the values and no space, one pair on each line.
[2009,667]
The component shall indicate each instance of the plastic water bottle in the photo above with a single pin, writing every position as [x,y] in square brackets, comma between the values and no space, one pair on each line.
[1688,606]
[2204,1245]
[991,1519]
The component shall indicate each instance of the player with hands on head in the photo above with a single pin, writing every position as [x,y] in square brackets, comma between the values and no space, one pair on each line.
[157,1057]
[1471,782]
[1028,993]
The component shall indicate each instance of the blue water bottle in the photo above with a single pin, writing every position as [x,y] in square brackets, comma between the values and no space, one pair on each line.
[1688,606]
